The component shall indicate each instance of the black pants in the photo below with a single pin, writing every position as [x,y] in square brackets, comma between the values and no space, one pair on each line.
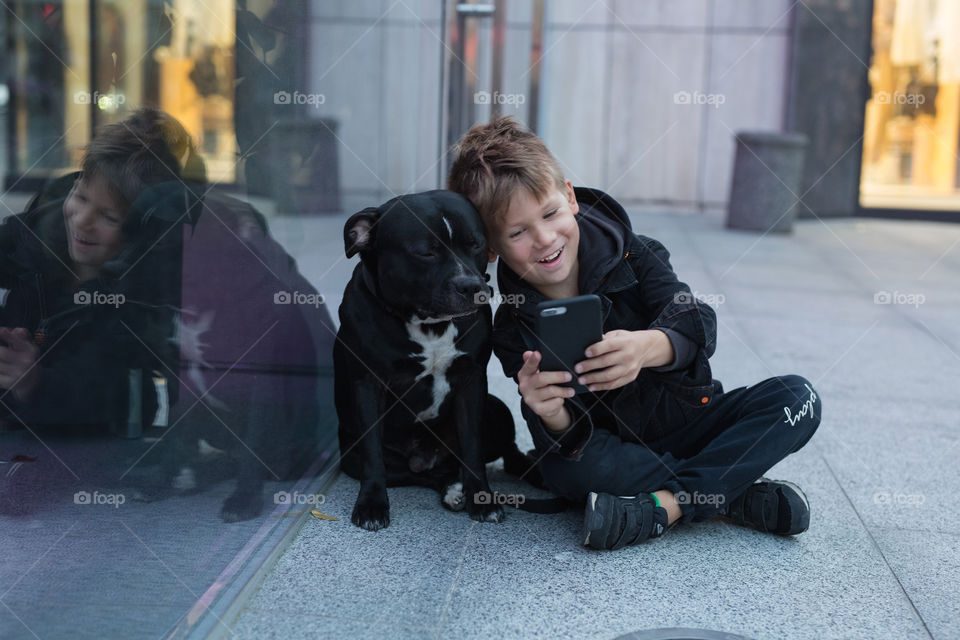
[706,463]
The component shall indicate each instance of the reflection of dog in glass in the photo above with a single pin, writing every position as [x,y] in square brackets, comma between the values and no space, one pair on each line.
[250,375]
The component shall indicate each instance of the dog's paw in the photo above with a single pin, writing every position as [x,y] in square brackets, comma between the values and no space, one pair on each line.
[241,506]
[486,512]
[186,480]
[452,497]
[371,515]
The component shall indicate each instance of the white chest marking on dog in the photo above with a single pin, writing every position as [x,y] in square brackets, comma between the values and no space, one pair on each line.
[449,228]
[437,355]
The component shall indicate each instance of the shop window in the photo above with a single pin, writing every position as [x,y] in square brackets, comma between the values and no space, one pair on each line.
[911,128]
[79,64]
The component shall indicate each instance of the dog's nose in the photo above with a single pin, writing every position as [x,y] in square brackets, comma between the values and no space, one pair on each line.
[468,286]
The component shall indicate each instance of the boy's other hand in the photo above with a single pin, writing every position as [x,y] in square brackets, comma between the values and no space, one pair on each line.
[541,390]
[618,358]
[18,355]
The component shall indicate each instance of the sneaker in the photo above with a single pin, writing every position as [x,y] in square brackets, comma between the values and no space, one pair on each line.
[613,522]
[772,506]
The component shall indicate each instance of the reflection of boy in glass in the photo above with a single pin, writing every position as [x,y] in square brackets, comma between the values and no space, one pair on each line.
[77,311]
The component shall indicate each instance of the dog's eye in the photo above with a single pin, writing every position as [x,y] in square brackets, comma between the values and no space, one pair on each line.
[426,255]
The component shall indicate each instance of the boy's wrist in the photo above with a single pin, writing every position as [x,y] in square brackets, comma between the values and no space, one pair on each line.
[559,422]
[660,353]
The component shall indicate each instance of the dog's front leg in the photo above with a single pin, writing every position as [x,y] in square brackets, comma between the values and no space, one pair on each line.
[468,410]
[372,509]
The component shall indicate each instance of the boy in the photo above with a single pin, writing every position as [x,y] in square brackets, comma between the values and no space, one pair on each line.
[100,235]
[656,438]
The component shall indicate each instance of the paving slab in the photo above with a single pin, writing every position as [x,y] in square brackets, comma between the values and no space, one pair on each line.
[927,567]
[528,577]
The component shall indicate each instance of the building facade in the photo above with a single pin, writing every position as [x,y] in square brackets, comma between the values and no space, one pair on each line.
[642,99]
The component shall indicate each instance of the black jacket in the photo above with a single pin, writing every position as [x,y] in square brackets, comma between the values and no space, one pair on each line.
[88,350]
[638,290]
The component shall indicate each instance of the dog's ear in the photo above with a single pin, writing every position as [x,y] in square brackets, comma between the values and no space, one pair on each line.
[359,231]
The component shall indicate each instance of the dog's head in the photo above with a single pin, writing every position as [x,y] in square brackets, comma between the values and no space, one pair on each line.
[425,252]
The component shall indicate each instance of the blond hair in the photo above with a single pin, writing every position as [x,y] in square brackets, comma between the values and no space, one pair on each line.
[496,160]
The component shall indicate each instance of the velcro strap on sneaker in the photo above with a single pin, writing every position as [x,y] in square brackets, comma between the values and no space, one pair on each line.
[627,531]
[639,522]
[763,507]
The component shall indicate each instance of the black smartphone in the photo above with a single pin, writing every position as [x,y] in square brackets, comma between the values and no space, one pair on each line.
[565,328]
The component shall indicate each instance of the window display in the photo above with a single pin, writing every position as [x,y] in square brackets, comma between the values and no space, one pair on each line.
[912,117]
[176,55]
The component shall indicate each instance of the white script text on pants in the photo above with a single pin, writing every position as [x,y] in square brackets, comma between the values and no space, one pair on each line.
[807,406]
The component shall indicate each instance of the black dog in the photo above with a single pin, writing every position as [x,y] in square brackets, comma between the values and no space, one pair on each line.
[411,356]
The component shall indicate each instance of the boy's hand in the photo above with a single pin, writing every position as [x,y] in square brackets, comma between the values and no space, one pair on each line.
[618,358]
[541,390]
[18,355]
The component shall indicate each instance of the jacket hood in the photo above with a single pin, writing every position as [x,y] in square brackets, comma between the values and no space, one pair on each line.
[604,233]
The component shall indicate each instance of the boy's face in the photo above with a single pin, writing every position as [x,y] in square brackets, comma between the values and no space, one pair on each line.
[539,240]
[94,219]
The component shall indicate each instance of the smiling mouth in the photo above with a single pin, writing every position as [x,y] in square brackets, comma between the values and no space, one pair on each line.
[82,242]
[552,258]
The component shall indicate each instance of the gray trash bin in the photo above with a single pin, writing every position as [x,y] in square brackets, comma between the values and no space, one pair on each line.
[767,171]
[306,172]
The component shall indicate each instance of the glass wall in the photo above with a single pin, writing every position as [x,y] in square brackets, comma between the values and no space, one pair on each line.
[913,115]
[166,383]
